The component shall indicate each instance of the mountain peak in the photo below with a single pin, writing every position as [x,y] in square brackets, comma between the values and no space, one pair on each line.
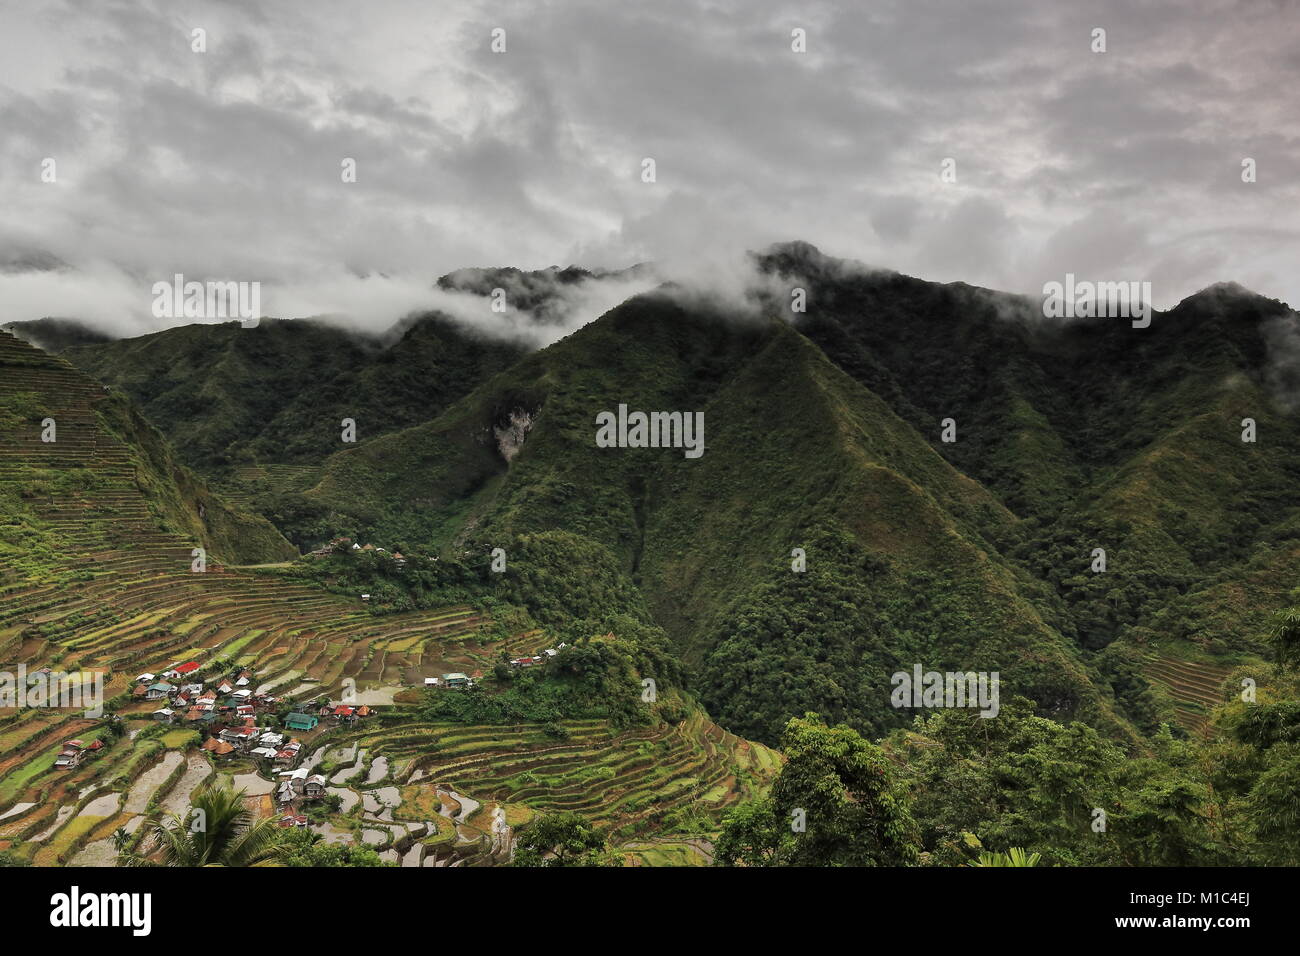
[1230,291]
[799,258]
[54,334]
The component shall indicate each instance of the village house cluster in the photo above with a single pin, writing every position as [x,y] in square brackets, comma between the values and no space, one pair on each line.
[458,680]
[188,701]
[226,713]
[339,545]
[538,659]
[297,785]
[345,545]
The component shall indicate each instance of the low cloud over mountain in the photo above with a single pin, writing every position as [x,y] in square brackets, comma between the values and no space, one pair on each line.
[226,164]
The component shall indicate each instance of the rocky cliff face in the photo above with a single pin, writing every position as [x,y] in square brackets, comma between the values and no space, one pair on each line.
[510,437]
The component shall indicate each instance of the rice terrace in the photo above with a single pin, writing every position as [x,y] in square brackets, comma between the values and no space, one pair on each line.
[96,577]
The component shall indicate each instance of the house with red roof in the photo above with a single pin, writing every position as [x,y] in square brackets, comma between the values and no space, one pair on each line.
[74,752]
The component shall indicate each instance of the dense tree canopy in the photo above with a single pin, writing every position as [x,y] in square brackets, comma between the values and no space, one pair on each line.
[834,803]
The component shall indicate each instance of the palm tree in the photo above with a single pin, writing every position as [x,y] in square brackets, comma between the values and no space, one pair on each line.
[1285,635]
[1016,856]
[121,840]
[218,831]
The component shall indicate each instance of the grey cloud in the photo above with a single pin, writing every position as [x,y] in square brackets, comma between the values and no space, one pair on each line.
[227,163]
[893,217]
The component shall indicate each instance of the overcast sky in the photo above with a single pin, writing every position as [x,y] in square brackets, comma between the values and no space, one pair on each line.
[226,164]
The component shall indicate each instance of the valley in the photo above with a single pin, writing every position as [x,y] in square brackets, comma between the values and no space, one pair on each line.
[825,537]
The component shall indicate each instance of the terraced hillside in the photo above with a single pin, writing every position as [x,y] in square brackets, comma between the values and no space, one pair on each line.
[249,484]
[93,574]
[1193,685]
[96,575]
[653,789]
[97,536]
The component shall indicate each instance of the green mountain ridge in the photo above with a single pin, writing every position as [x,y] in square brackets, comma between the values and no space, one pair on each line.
[823,432]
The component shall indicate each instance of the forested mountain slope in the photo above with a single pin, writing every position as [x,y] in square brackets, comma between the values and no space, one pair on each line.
[823,432]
